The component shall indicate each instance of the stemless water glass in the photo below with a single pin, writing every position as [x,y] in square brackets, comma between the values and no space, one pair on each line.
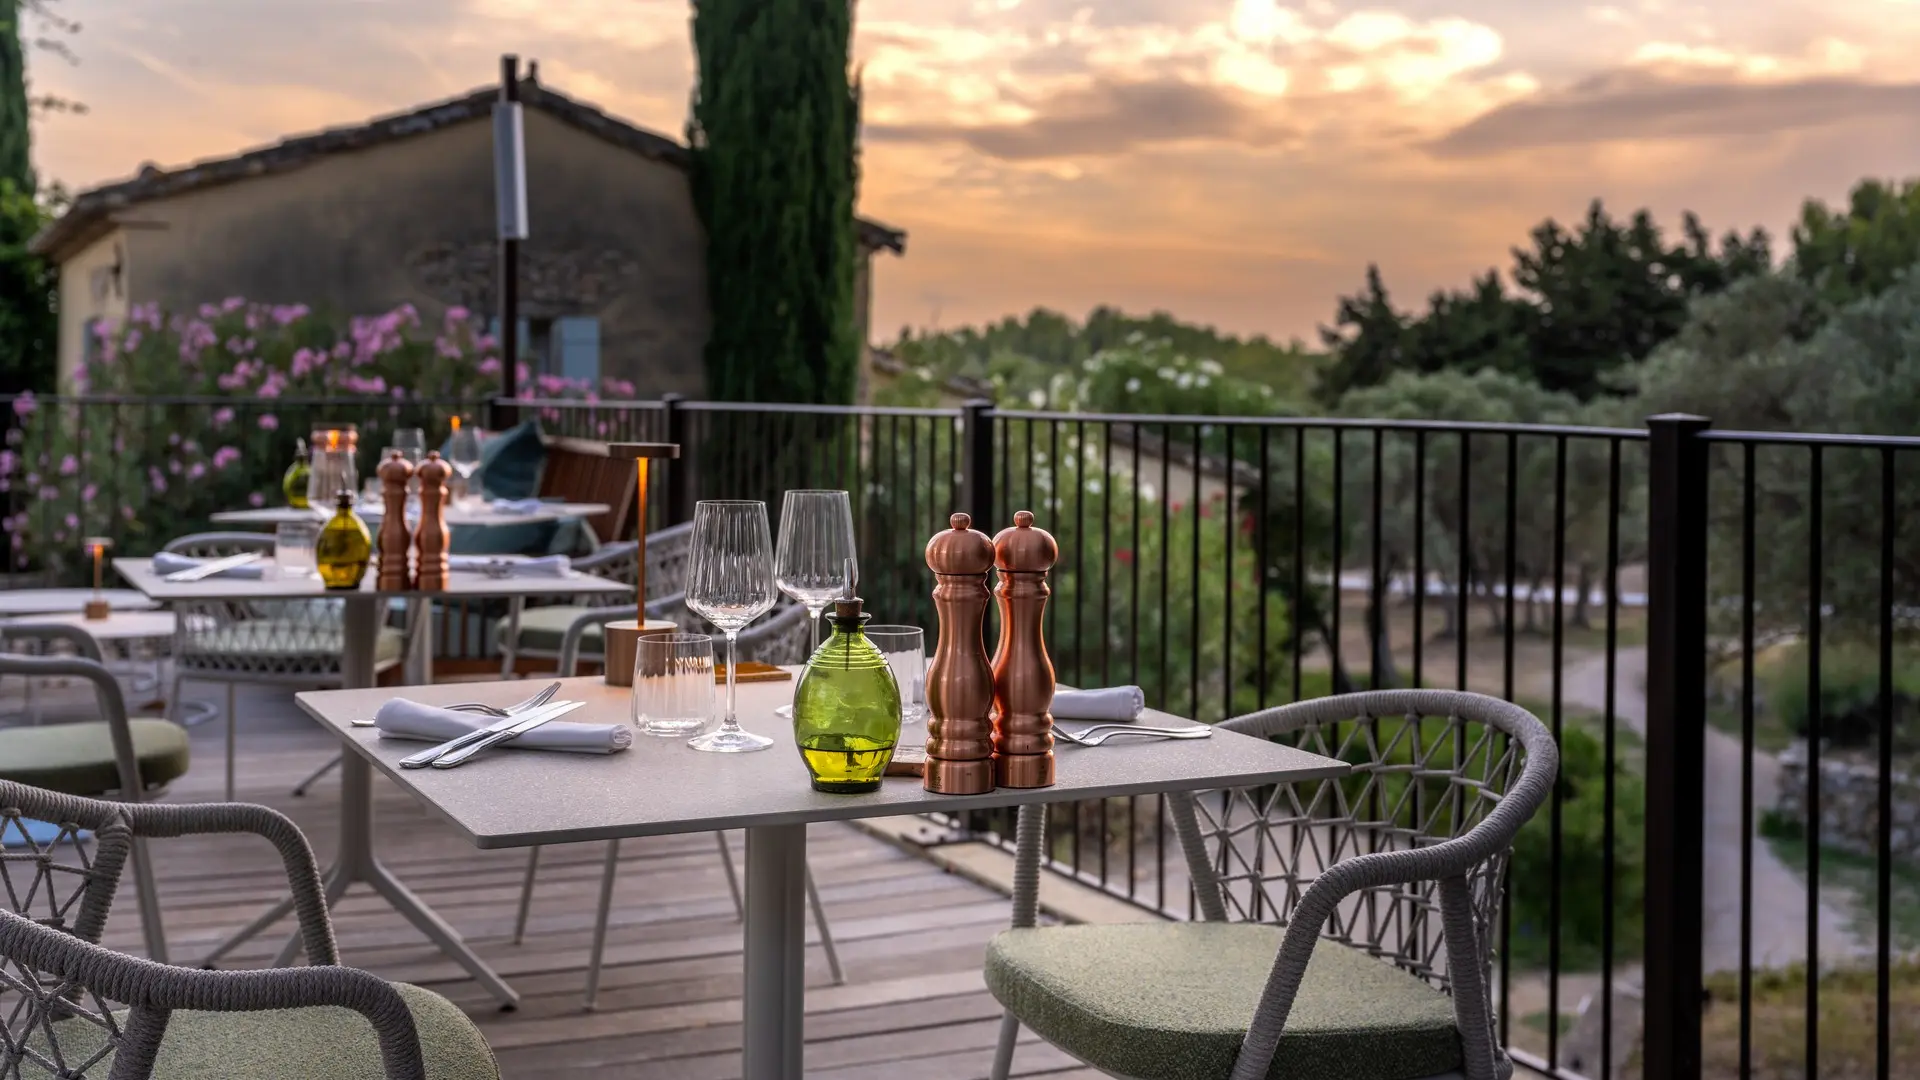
[293,548]
[905,648]
[730,584]
[815,562]
[673,683]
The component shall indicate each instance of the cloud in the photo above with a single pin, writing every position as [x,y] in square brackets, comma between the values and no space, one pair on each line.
[1638,105]
[1108,118]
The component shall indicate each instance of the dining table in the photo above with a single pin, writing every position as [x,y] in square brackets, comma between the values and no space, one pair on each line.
[458,513]
[514,798]
[357,859]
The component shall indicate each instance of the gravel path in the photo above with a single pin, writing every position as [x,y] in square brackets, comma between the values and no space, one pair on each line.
[1779,893]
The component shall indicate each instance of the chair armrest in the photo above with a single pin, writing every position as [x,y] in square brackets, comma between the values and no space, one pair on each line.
[586,620]
[153,990]
[296,856]
[106,689]
[83,642]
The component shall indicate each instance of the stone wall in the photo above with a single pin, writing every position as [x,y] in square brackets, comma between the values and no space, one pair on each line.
[1850,801]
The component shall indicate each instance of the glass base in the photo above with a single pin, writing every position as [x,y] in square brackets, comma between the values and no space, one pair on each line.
[723,741]
[784,712]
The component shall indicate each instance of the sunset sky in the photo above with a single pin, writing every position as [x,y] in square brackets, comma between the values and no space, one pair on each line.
[1233,161]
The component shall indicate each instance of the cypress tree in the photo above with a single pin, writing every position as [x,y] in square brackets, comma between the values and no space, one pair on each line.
[16,141]
[773,131]
[29,326]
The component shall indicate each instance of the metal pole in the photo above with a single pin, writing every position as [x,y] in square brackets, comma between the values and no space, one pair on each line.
[977,464]
[506,415]
[1676,744]
[680,478]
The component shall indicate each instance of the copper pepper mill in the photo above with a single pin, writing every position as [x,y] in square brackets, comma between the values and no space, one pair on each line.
[959,682]
[1023,681]
[395,543]
[430,542]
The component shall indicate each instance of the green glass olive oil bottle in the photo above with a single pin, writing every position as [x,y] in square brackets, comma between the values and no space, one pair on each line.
[294,483]
[344,547]
[846,708]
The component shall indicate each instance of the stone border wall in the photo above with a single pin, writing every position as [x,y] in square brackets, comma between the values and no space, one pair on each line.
[1850,802]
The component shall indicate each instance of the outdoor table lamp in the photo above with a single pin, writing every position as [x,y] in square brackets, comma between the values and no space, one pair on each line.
[97,609]
[622,639]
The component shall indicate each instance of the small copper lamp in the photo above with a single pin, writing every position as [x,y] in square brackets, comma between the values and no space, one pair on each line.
[622,639]
[97,609]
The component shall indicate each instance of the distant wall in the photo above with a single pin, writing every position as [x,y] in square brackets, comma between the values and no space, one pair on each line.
[1850,802]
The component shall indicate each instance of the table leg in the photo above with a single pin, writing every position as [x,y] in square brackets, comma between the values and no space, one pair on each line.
[356,860]
[774,1003]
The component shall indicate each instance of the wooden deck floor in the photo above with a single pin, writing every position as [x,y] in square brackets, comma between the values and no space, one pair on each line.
[911,936]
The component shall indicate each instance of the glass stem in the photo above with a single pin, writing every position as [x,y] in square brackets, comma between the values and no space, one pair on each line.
[731,723]
[813,629]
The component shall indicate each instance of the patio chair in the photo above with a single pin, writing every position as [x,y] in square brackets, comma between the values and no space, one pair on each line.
[129,760]
[781,638]
[1348,923]
[539,632]
[70,1008]
[294,643]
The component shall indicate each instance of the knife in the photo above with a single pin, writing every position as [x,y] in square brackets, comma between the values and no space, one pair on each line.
[426,757]
[448,761]
[207,570]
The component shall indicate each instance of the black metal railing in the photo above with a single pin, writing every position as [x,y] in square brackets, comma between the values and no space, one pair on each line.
[1662,597]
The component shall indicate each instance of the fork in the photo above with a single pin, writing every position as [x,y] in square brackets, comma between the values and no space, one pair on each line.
[484,709]
[1095,736]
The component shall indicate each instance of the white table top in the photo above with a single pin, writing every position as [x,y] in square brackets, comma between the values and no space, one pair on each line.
[139,573]
[516,798]
[118,626]
[52,601]
[456,514]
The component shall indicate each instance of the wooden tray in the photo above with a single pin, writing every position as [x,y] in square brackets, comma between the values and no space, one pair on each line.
[752,672]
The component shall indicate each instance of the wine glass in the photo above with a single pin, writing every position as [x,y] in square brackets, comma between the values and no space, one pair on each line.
[411,442]
[815,561]
[730,584]
[463,454]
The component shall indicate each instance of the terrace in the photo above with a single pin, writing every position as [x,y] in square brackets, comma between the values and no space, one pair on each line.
[1655,595]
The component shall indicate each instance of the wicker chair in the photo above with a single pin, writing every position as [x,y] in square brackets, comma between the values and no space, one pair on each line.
[540,632]
[281,642]
[129,760]
[779,638]
[70,1008]
[1385,886]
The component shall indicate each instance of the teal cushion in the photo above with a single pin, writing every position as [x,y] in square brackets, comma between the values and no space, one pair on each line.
[319,1043]
[1172,1001]
[510,462]
[520,538]
[542,629]
[77,759]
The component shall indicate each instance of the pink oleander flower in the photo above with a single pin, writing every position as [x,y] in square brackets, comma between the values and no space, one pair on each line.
[157,481]
[288,314]
[457,314]
[87,493]
[225,456]
[131,341]
[232,304]
[272,385]
[23,405]
[126,513]
[256,500]
[490,366]
[9,461]
[268,421]
[73,521]
[222,416]
[197,471]
[49,493]
[69,465]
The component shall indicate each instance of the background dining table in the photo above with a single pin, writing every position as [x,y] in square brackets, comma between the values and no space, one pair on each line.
[362,609]
[483,514]
[511,798]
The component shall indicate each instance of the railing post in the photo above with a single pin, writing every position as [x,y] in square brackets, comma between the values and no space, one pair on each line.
[1676,744]
[976,468]
[680,485]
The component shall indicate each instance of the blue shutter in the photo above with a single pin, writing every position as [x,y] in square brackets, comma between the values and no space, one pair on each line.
[578,342]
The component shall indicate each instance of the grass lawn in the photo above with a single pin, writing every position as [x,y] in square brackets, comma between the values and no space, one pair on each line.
[1859,876]
[1847,1025]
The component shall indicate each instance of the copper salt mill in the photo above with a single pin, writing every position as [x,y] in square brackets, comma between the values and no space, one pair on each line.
[395,543]
[959,682]
[1023,679]
[430,542]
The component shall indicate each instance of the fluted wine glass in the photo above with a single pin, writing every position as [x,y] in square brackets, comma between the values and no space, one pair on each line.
[815,561]
[730,584]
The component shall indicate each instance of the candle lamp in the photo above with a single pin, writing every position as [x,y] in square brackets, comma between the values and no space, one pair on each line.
[623,638]
[331,450]
[97,609]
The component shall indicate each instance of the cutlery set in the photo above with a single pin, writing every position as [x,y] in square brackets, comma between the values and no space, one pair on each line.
[512,722]
[1098,734]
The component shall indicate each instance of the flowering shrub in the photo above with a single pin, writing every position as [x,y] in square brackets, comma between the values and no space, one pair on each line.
[188,414]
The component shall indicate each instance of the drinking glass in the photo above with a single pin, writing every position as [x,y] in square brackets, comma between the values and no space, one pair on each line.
[293,547]
[673,683]
[463,453]
[905,648]
[730,584]
[815,562]
[412,442]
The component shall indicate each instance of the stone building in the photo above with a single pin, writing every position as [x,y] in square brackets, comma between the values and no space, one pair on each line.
[400,209]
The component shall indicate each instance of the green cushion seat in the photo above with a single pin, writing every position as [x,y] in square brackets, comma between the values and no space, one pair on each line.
[321,1043]
[542,629]
[77,759]
[1172,1001]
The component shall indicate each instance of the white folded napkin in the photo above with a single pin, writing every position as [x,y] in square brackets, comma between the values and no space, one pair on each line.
[517,506]
[403,719]
[169,563]
[1117,703]
[546,566]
